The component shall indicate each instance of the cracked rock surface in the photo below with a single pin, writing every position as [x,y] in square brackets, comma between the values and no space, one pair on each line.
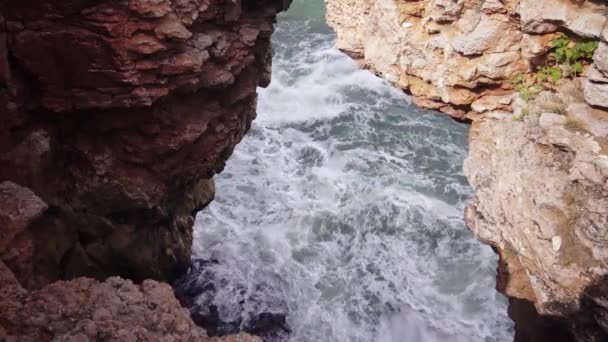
[117,114]
[115,117]
[454,55]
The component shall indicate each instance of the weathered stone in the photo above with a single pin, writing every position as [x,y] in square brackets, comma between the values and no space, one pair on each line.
[489,36]
[491,103]
[600,58]
[538,166]
[19,207]
[540,197]
[171,28]
[87,310]
[150,8]
[493,6]
[597,76]
[588,26]
[445,10]
[127,111]
[477,45]
[534,45]
[596,94]
[115,117]
[596,121]
[583,18]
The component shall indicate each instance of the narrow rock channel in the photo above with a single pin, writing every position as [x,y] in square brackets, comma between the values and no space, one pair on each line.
[340,215]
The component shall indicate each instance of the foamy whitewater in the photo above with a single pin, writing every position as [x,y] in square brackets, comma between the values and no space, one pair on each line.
[346,202]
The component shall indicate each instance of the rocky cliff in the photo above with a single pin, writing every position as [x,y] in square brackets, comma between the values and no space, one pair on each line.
[86,310]
[115,117]
[539,141]
[541,185]
[457,56]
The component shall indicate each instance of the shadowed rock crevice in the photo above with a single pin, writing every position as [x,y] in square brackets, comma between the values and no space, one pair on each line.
[256,307]
[586,322]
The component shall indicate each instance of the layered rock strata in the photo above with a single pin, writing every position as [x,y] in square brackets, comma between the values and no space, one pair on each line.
[596,86]
[116,114]
[541,198]
[115,117]
[538,162]
[456,56]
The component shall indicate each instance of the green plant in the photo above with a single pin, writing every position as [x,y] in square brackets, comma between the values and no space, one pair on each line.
[567,51]
[569,57]
[547,73]
[517,80]
[526,91]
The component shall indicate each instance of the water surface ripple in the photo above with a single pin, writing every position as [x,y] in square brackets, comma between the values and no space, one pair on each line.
[346,202]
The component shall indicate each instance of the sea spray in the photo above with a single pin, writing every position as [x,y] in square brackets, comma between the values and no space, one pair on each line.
[343,209]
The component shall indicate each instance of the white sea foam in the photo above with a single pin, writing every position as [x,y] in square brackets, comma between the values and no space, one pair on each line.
[346,202]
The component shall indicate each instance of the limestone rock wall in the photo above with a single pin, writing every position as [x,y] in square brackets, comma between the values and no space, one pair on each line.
[541,198]
[538,163]
[116,115]
[596,86]
[456,56]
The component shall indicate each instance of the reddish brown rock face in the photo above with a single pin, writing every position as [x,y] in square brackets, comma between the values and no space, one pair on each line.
[117,114]
[87,310]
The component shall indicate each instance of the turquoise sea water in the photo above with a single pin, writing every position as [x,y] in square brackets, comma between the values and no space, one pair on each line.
[348,200]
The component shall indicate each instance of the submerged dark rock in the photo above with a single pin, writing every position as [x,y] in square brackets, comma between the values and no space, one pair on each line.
[223,304]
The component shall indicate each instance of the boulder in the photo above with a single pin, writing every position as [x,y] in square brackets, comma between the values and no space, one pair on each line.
[19,207]
[489,36]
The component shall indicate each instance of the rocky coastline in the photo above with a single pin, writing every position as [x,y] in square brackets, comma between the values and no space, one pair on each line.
[115,117]
[117,114]
[538,160]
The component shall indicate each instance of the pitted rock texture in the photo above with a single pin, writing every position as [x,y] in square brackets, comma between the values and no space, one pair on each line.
[87,310]
[81,309]
[456,56]
[596,87]
[116,115]
[116,309]
[541,198]
[131,53]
